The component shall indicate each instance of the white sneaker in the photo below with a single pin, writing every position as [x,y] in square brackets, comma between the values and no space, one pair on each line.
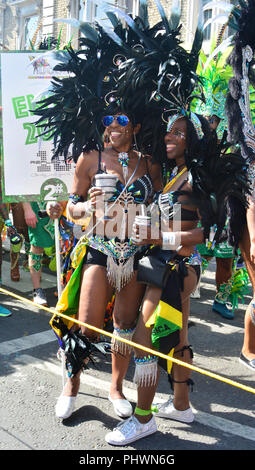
[196,293]
[122,407]
[167,410]
[65,407]
[130,431]
[39,297]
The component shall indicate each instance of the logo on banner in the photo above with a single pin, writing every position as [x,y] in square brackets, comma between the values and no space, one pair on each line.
[40,66]
[53,189]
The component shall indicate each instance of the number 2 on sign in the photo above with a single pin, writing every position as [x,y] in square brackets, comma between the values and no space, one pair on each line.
[50,196]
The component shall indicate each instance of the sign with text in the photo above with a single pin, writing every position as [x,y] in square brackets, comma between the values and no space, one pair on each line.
[28,171]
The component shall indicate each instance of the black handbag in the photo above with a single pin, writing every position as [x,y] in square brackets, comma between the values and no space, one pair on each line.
[154,269]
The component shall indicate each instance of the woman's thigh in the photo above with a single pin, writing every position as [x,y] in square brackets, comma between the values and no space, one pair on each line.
[95,293]
[142,333]
[127,304]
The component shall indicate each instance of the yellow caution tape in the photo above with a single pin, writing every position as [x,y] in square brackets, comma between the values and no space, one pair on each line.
[135,345]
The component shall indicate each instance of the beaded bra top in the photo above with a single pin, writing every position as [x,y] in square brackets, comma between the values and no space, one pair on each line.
[139,191]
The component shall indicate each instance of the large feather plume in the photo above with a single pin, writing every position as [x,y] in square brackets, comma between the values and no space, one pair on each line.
[74,110]
[220,188]
[215,76]
[238,103]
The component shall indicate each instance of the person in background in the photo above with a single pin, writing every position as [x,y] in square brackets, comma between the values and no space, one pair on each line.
[240,116]
[4,215]
[41,235]
[215,78]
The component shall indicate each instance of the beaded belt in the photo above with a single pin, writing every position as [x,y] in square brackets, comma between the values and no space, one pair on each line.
[120,258]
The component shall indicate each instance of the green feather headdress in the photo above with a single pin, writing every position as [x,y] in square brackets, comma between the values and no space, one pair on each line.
[215,76]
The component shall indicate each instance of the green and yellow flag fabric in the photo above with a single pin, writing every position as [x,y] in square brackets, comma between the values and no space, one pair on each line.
[167,320]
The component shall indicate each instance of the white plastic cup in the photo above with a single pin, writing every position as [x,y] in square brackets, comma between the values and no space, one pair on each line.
[107,183]
[143,221]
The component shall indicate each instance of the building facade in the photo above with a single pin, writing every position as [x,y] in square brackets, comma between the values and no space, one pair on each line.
[23,23]
[214,17]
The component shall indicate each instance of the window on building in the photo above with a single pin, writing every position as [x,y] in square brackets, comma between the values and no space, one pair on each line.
[94,12]
[30,27]
[208,29]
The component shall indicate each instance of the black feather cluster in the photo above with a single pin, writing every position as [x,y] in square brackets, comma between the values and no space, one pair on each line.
[161,78]
[133,68]
[220,189]
[73,112]
[242,21]
[48,43]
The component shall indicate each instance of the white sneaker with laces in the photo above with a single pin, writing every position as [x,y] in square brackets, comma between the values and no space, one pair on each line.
[39,297]
[130,431]
[168,410]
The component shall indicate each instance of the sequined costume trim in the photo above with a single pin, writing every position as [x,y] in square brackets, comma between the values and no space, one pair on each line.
[146,371]
[120,258]
[120,346]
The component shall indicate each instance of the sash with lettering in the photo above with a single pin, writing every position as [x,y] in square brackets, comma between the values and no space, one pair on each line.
[167,320]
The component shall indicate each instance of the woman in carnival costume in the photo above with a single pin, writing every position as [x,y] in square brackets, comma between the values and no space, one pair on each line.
[215,75]
[203,176]
[241,131]
[78,111]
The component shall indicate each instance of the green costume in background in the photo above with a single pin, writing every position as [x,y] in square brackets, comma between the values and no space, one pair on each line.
[43,235]
[215,78]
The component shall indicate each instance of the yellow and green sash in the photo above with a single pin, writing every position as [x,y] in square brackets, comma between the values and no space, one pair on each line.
[167,320]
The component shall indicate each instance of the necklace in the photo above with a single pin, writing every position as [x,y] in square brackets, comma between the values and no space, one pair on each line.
[173,180]
[123,159]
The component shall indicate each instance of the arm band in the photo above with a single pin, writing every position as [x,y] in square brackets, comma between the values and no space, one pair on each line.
[75,198]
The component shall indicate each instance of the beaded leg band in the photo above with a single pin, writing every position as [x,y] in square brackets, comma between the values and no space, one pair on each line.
[119,346]
[36,261]
[146,371]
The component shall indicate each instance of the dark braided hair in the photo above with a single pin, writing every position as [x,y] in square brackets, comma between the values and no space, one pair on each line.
[196,149]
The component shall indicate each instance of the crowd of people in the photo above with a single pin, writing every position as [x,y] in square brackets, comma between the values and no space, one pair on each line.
[181,194]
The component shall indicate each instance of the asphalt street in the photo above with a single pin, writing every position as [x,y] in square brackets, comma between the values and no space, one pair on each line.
[31,379]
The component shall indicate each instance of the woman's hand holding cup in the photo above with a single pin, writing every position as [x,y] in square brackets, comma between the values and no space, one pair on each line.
[94,194]
[141,233]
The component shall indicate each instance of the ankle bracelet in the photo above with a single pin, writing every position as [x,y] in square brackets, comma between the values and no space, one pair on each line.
[140,412]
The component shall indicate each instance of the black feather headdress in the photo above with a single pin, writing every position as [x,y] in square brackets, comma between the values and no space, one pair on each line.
[147,73]
[74,110]
[76,105]
[166,73]
[220,189]
[161,78]
[238,106]
[103,78]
